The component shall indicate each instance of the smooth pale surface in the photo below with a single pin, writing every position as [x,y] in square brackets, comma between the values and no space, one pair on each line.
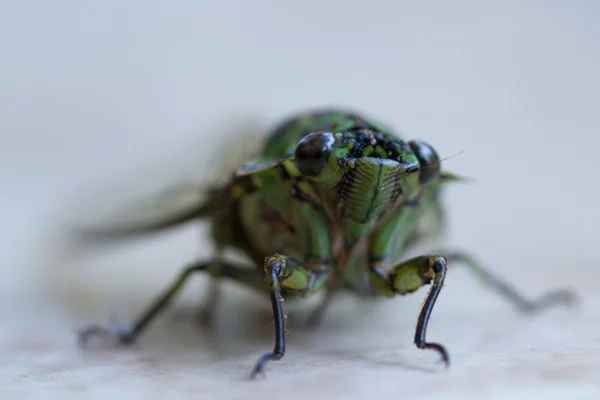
[102,90]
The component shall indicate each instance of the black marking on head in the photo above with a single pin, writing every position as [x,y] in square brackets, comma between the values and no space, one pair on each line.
[359,139]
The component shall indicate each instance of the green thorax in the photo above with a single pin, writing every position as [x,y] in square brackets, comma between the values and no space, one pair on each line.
[358,176]
[367,175]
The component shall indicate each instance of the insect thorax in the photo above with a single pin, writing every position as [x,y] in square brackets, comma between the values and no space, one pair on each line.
[369,191]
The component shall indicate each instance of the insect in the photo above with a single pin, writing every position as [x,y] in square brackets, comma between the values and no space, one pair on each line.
[332,204]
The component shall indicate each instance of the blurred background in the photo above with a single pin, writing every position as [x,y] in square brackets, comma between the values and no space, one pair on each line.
[105,102]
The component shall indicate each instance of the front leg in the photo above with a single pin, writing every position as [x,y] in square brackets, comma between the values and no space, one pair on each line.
[407,277]
[387,243]
[289,274]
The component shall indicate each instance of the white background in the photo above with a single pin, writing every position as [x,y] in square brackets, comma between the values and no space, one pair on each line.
[114,89]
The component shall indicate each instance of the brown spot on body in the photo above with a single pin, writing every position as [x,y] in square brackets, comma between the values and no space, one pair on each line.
[275,220]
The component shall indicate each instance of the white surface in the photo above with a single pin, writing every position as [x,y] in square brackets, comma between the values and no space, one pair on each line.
[103,89]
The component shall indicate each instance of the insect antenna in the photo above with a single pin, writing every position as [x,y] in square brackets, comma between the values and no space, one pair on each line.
[452,156]
[422,167]
[447,176]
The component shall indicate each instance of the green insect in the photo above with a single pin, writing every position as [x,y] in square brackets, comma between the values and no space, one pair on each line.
[332,204]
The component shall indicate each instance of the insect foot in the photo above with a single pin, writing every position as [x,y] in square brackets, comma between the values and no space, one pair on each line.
[122,334]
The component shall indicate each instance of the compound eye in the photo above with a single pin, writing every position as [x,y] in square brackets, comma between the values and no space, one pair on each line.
[429,162]
[313,151]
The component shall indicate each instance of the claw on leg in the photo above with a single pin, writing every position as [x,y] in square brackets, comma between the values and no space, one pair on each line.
[123,334]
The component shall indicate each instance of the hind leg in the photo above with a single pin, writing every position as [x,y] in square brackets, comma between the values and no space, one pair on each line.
[523,304]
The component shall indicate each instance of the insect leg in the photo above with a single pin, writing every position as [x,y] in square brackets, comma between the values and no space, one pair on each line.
[290,274]
[506,290]
[127,335]
[213,294]
[409,276]
[387,242]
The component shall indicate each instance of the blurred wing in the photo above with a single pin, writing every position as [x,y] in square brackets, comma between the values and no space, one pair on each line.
[153,214]
[167,195]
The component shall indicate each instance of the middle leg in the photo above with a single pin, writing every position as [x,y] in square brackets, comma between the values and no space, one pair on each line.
[127,335]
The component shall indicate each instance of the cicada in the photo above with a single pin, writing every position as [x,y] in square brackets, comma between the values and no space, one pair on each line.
[333,203]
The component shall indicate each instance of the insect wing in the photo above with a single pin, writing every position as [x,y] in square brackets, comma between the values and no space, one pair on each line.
[159,198]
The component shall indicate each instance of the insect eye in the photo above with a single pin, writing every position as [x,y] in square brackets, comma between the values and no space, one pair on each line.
[428,160]
[313,151]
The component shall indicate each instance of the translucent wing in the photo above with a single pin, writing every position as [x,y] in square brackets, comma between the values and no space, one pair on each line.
[168,194]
